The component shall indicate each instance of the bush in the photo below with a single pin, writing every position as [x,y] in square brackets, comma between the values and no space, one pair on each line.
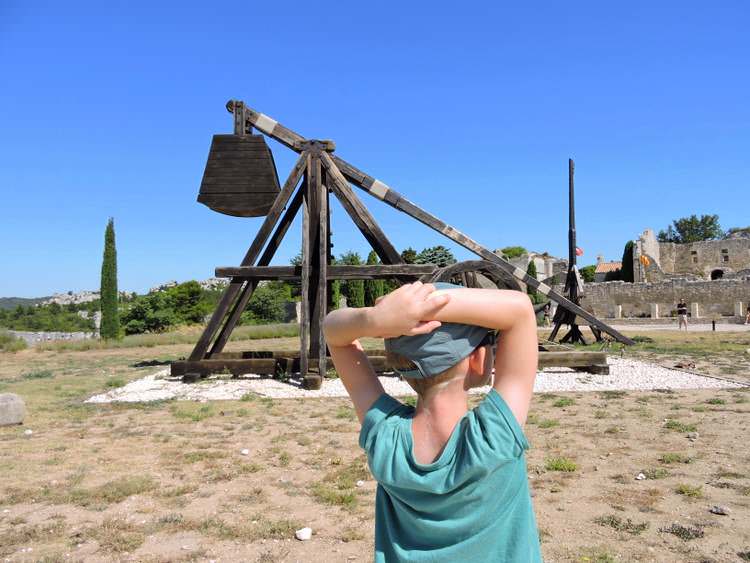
[10,342]
[268,303]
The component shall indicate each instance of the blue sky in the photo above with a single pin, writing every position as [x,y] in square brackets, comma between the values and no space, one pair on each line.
[470,110]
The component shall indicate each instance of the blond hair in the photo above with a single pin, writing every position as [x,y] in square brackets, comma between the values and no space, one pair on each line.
[420,384]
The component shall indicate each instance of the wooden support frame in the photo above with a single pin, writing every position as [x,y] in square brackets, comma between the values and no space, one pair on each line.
[322,173]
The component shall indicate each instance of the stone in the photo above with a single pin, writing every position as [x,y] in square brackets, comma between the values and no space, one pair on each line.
[360,483]
[12,409]
[304,534]
[640,477]
[28,432]
[693,435]
[245,451]
[717,509]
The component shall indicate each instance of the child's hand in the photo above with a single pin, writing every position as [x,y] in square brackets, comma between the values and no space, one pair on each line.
[408,311]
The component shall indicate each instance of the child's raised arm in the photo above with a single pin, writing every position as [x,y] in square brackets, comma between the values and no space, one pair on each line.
[516,358]
[402,311]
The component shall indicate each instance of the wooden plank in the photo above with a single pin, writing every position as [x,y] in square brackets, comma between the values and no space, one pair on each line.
[232,291]
[334,272]
[304,329]
[571,359]
[265,259]
[313,190]
[261,366]
[322,293]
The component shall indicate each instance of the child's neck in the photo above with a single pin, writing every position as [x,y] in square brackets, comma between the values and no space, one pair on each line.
[435,418]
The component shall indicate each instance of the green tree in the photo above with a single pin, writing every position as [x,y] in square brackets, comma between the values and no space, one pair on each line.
[627,263]
[513,251]
[531,271]
[692,229]
[373,288]
[409,256]
[353,290]
[588,273]
[110,326]
[268,303]
[438,255]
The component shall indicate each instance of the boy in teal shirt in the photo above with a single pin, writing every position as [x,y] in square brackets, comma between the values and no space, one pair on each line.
[452,483]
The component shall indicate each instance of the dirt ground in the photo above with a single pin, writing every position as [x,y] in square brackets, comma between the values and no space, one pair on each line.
[168,481]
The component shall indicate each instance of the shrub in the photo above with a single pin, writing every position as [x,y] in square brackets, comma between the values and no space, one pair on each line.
[10,342]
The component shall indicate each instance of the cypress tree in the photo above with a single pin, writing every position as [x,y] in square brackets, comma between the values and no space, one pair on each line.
[373,288]
[531,270]
[353,290]
[627,263]
[110,325]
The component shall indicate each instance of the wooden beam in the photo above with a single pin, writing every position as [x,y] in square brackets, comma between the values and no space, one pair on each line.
[322,293]
[334,272]
[304,329]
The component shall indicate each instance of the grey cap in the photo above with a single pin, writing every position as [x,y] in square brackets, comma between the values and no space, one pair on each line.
[439,350]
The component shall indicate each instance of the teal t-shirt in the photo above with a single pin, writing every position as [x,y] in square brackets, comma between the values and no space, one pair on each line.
[470,504]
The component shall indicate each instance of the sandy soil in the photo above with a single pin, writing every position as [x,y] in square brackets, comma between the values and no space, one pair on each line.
[168,481]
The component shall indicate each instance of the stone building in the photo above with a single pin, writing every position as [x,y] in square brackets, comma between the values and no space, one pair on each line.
[706,260]
[603,269]
[546,264]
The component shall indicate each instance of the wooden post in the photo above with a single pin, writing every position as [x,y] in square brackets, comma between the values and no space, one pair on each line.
[304,328]
[316,279]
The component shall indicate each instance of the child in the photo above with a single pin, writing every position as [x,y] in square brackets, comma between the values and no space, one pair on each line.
[452,483]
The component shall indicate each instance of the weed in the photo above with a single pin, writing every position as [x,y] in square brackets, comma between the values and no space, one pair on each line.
[38,374]
[674,457]
[716,401]
[548,423]
[621,525]
[560,464]
[656,473]
[191,411]
[608,395]
[685,533]
[284,459]
[689,490]
[247,397]
[613,430]
[726,474]
[115,382]
[563,402]
[601,414]
[678,426]
[116,535]
[345,412]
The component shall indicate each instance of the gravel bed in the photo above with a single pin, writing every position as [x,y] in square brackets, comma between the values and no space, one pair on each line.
[624,374]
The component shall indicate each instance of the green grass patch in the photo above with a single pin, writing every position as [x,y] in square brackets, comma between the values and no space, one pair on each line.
[674,457]
[38,374]
[563,402]
[192,411]
[716,401]
[115,382]
[616,523]
[676,425]
[656,473]
[10,342]
[548,423]
[692,491]
[609,395]
[560,464]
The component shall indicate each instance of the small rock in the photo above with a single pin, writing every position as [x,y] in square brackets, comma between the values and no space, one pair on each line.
[596,468]
[245,451]
[304,534]
[186,547]
[693,435]
[360,483]
[716,509]
[640,477]
[28,432]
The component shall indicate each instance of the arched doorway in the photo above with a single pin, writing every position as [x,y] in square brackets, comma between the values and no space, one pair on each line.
[717,274]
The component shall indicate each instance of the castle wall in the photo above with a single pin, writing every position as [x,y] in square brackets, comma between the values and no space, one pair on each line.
[716,297]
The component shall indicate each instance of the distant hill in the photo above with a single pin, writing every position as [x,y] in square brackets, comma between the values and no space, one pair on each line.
[13,302]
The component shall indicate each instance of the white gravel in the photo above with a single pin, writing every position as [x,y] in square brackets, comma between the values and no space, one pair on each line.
[624,374]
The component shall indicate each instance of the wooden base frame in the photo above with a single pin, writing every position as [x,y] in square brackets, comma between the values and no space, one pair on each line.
[317,174]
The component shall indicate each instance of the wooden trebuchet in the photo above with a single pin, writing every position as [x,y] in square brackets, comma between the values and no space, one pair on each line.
[390,196]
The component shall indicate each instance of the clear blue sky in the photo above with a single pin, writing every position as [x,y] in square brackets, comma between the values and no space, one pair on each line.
[470,110]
